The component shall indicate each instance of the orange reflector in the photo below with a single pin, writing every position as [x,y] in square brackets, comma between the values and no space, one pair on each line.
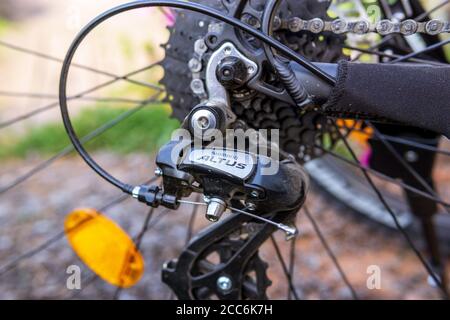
[104,247]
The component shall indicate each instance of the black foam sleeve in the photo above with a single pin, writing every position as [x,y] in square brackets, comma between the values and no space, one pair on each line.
[415,95]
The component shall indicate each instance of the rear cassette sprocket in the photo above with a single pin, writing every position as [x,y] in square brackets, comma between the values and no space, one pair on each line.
[299,132]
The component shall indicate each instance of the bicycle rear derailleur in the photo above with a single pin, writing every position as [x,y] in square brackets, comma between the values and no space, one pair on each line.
[263,192]
[260,184]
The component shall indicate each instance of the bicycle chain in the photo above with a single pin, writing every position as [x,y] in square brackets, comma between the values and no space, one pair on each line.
[383,27]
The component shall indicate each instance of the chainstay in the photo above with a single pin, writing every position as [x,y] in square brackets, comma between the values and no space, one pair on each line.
[383,27]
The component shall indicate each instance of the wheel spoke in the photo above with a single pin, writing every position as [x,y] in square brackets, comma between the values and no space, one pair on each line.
[87,283]
[76,65]
[68,149]
[394,56]
[408,239]
[292,257]
[418,19]
[399,140]
[147,226]
[138,242]
[432,10]
[384,177]
[75,97]
[417,53]
[330,252]
[191,223]
[29,254]
[14,94]
[284,267]
[407,166]
[28,115]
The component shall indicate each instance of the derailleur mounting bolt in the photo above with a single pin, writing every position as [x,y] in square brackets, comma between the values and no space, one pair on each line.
[203,120]
[232,72]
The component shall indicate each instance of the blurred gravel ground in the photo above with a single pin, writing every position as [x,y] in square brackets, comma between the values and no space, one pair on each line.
[34,212]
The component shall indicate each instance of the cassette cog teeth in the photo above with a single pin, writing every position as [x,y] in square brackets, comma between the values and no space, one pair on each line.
[180,49]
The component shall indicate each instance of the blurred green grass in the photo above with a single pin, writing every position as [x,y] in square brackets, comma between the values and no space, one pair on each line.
[144,131]
[4,25]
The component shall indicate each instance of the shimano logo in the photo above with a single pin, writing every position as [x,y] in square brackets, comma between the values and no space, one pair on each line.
[224,154]
[222,161]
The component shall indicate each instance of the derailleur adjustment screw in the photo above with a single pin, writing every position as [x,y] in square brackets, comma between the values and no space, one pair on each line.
[154,196]
[158,172]
[150,195]
[224,284]
[216,207]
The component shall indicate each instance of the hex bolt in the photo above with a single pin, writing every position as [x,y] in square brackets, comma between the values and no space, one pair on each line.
[232,72]
[224,284]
